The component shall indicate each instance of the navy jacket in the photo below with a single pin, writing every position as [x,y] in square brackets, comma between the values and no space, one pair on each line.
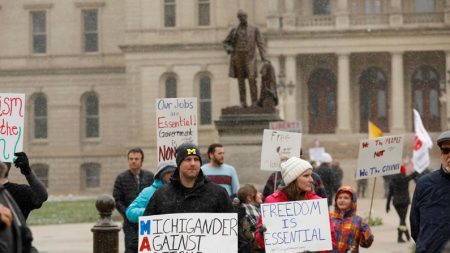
[430,212]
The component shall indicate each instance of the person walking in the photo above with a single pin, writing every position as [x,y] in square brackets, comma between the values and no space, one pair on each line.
[296,175]
[350,229]
[28,197]
[327,175]
[430,209]
[399,194]
[241,44]
[219,172]
[127,186]
[189,190]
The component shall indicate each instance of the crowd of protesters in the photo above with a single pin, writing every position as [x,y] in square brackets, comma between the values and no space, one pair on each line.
[191,185]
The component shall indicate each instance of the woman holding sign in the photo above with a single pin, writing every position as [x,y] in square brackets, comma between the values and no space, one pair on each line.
[297,176]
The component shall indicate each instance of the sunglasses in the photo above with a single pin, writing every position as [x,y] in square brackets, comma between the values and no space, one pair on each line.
[445,151]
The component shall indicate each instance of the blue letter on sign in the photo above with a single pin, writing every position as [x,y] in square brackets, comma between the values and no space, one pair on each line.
[145,227]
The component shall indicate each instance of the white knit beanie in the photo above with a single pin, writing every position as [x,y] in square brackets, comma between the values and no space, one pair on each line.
[326,158]
[293,168]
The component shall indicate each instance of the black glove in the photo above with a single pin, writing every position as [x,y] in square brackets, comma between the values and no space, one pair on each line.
[262,230]
[22,163]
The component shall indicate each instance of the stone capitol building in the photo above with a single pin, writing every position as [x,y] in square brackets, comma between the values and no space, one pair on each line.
[92,69]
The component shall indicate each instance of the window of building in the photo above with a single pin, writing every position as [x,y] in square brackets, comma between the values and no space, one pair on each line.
[90,30]
[92,116]
[41,171]
[39,31]
[373,99]
[203,12]
[171,87]
[425,6]
[426,83]
[205,101]
[90,174]
[169,13]
[321,7]
[40,116]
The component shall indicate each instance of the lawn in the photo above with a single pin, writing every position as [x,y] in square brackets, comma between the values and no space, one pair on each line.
[61,212]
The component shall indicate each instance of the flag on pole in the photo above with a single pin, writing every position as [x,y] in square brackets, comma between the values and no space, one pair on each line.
[374,131]
[422,144]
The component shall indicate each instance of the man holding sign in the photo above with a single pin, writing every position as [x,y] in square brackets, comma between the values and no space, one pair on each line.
[293,236]
[189,190]
[430,209]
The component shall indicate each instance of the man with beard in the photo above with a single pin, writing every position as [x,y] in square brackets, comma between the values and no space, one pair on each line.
[219,172]
[189,190]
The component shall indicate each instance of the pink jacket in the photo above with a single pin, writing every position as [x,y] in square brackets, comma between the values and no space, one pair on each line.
[280,196]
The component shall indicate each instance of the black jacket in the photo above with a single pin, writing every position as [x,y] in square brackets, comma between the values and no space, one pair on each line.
[126,189]
[399,189]
[28,197]
[430,212]
[18,237]
[204,197]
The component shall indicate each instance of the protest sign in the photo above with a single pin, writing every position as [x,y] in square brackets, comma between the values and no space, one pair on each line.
[380,156]
[189,232]
[286,126]
[176,123]
[277,144]
[12,115]
[297,226]
[315,154]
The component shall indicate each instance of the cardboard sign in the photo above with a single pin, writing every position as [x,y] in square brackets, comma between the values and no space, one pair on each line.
[287,126]
[277,144]
[176,123]
[380,156]
[12,115]
[189,232]
[297,226]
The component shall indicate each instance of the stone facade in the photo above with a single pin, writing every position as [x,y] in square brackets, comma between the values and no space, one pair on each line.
[136,51]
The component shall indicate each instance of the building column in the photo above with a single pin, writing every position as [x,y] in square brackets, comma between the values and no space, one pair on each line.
[397,105]
[447,12]
[275,60]
[395,13]
[273,15]
[289,16]
[446,97]
[343,94]
[291,98]
[342,14]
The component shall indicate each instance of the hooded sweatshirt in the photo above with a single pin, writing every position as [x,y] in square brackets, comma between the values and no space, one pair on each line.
[350,229]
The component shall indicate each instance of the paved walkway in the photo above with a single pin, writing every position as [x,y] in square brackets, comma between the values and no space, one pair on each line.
[77,238]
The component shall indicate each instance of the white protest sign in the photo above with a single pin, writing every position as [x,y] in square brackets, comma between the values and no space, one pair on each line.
[176,123]
[12,115]
[277,144]
[297,226]
[287,126]
[380,156]
[189,232]
[315,154]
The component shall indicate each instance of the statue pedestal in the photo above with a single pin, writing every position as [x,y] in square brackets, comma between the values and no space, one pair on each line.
[241,132]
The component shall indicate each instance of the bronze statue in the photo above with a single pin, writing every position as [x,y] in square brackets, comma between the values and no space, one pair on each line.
[269,97]
[241,44]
